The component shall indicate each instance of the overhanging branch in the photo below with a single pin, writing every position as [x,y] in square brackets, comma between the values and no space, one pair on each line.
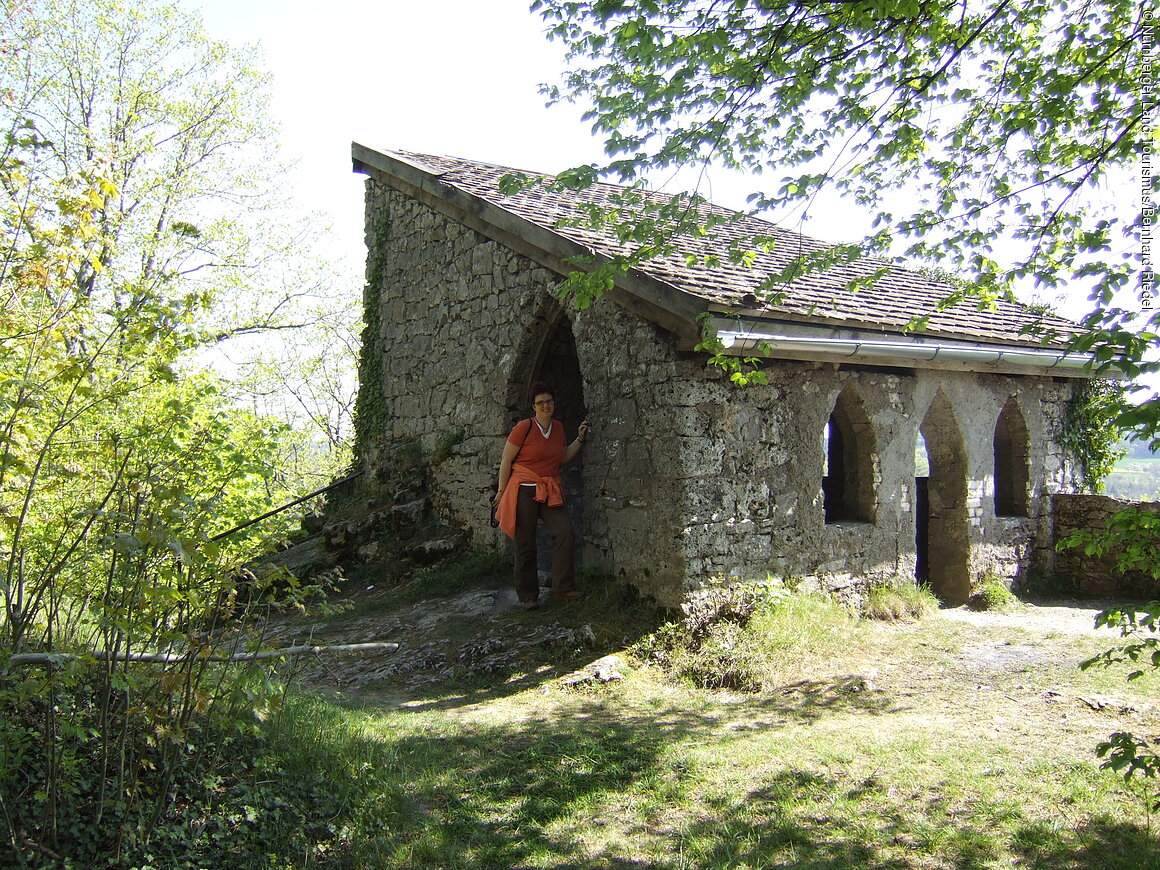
[44,658]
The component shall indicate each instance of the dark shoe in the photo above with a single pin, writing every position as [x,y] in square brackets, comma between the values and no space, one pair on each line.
[530,605]
[571,593]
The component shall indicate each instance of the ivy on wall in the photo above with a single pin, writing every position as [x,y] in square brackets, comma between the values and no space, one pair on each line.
[370,412]
[1090,431]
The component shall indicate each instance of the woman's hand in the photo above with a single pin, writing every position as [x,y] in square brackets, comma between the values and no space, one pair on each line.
[581,436]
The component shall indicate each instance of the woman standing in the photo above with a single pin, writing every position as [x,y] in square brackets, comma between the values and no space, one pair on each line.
[530,490]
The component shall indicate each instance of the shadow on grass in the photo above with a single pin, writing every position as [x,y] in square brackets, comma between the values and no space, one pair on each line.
[603,787]
[484,795]
[808,821]
[806,701]
[813,700]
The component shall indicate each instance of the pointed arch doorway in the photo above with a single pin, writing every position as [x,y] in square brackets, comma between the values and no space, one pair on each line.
[552,358]
[942,545]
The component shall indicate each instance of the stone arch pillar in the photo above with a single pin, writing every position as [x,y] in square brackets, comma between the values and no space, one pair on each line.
[942,537]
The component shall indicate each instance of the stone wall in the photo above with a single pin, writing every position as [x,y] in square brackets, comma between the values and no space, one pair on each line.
[751,466]
[1097,576]
[686,477]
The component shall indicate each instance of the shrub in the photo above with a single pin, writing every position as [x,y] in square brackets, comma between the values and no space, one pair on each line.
[748,637]
[992,594]
[1125,753]
[279,794]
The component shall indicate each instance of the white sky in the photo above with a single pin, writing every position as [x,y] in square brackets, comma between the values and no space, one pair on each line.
[450,77]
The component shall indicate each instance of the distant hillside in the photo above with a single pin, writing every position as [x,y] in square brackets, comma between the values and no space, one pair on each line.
[1137,475]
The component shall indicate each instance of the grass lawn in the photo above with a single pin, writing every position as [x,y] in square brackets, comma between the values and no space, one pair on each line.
[943,743]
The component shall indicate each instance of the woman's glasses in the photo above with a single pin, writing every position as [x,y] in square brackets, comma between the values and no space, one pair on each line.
[549,403]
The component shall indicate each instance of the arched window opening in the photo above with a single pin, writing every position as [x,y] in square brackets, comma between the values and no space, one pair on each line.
[1011,462]
[921,457]
[848,465]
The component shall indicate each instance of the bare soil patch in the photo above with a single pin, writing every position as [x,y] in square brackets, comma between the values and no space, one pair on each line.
[1001,672]
[1065,617]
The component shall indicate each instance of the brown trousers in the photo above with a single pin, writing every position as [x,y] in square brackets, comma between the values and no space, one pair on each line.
[528,514]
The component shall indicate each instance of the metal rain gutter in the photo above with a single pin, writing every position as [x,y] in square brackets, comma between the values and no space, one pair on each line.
[739,340]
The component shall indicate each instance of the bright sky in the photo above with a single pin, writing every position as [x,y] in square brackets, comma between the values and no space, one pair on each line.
[450,77]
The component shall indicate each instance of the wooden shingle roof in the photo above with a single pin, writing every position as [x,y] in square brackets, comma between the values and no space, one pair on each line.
[820,298]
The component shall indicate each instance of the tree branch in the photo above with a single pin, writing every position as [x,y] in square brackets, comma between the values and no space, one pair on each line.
[249,330]
[23,659]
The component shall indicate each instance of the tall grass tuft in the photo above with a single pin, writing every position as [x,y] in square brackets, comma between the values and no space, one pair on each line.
[900,602]
[780,636]
[992,594]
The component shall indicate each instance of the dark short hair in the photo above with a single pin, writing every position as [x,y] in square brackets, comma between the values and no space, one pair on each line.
[540,387]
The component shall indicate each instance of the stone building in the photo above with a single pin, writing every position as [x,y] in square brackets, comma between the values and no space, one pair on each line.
[817,476]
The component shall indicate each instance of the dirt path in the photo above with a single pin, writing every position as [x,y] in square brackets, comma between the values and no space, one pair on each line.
[1075,618]
[481,634]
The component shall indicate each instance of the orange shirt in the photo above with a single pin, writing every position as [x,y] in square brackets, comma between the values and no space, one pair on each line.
[538,462]
[541,455]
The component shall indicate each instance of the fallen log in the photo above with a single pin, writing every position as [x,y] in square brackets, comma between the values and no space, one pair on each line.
[21,659]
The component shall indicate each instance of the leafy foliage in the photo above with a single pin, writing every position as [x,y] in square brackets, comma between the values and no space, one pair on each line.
[992,593]
[742,371]
[1132,534]
[1091,429]
[168,131]
[1140,631]
[978,138]
[369,412]
[746,636]
[170,120]
[120,463]
[1125,753]
[1003,114]
[206,794]
[1129,755]
[115,474]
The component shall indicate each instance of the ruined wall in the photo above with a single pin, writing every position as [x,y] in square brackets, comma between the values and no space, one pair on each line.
[752,468]
[462,324]
[455,314]
[685,476]
[1097,576]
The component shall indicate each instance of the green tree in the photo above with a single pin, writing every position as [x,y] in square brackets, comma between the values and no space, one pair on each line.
[981,138]
[171,119]
[988,139]
[194,215]
[120,462]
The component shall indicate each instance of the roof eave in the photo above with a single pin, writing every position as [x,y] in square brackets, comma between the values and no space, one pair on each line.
[795,341]
[666,305]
